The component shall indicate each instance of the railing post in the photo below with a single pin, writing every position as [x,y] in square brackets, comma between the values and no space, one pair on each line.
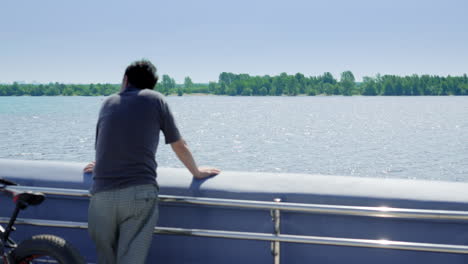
[275,245]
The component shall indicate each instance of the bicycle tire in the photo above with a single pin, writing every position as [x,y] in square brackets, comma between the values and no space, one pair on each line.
[48,247]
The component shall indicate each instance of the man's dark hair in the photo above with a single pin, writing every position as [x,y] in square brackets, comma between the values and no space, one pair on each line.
[142,74]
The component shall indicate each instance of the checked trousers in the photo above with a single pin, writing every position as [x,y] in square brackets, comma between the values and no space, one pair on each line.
[121,223]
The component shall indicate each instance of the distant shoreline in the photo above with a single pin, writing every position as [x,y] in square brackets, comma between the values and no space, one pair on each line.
[280,85]
[260,96]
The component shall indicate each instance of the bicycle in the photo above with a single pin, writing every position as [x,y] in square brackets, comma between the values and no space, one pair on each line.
[38,248]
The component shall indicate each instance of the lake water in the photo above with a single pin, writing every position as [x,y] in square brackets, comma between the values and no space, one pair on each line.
[392,137]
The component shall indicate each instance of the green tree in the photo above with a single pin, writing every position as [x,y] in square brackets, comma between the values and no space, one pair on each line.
[347,83]
[188,84]
[222,88]
[167,84]
[180,91]
[231,91]
[327,77]
[369,86]
[300,82]
[388,88]
[464,88]
[278,84]
[51,91]
[67,91]
[15,89]
[328,88]
[212,87]
[226,78]
[247,91]
[273,90]
[310,90]
[292,87]
[397,87]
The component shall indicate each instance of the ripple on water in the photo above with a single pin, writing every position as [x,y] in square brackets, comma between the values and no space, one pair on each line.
[363,136]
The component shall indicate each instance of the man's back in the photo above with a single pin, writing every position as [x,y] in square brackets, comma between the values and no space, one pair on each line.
[127,137]
[123,209]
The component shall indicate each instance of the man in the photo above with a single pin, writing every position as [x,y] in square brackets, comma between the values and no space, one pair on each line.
[123,208]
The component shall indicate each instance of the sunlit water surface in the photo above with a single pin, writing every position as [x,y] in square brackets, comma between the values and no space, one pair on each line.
[394,137]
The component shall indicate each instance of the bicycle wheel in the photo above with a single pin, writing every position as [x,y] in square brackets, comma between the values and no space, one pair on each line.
[46,249]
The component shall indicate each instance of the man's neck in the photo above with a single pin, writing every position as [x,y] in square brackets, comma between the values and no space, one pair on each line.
[128,88]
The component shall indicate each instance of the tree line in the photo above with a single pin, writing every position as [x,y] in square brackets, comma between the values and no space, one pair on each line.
[283,84]
[53,89]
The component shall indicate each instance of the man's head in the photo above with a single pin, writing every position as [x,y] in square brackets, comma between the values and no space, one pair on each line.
[141,74]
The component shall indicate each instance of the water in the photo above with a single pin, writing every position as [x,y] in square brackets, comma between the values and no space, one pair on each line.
[392,137]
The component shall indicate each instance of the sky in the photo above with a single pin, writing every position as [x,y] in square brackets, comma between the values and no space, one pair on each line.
[90,41]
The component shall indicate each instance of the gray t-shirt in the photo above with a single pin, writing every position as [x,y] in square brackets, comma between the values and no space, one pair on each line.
[127,137]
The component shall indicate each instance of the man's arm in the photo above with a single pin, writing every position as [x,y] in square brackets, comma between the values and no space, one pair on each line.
[185,156]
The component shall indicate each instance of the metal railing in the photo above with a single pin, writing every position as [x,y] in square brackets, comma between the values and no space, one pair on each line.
[275,208]
[379,211]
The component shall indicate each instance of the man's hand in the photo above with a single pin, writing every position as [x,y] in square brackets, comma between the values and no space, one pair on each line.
[89,168]
[206,172]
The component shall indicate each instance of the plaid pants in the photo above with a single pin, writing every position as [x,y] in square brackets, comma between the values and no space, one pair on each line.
[121,223]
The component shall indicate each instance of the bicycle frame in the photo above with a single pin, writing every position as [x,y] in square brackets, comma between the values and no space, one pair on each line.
[22,200]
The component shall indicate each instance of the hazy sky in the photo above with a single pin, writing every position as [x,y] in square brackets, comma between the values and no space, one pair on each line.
[93,41]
